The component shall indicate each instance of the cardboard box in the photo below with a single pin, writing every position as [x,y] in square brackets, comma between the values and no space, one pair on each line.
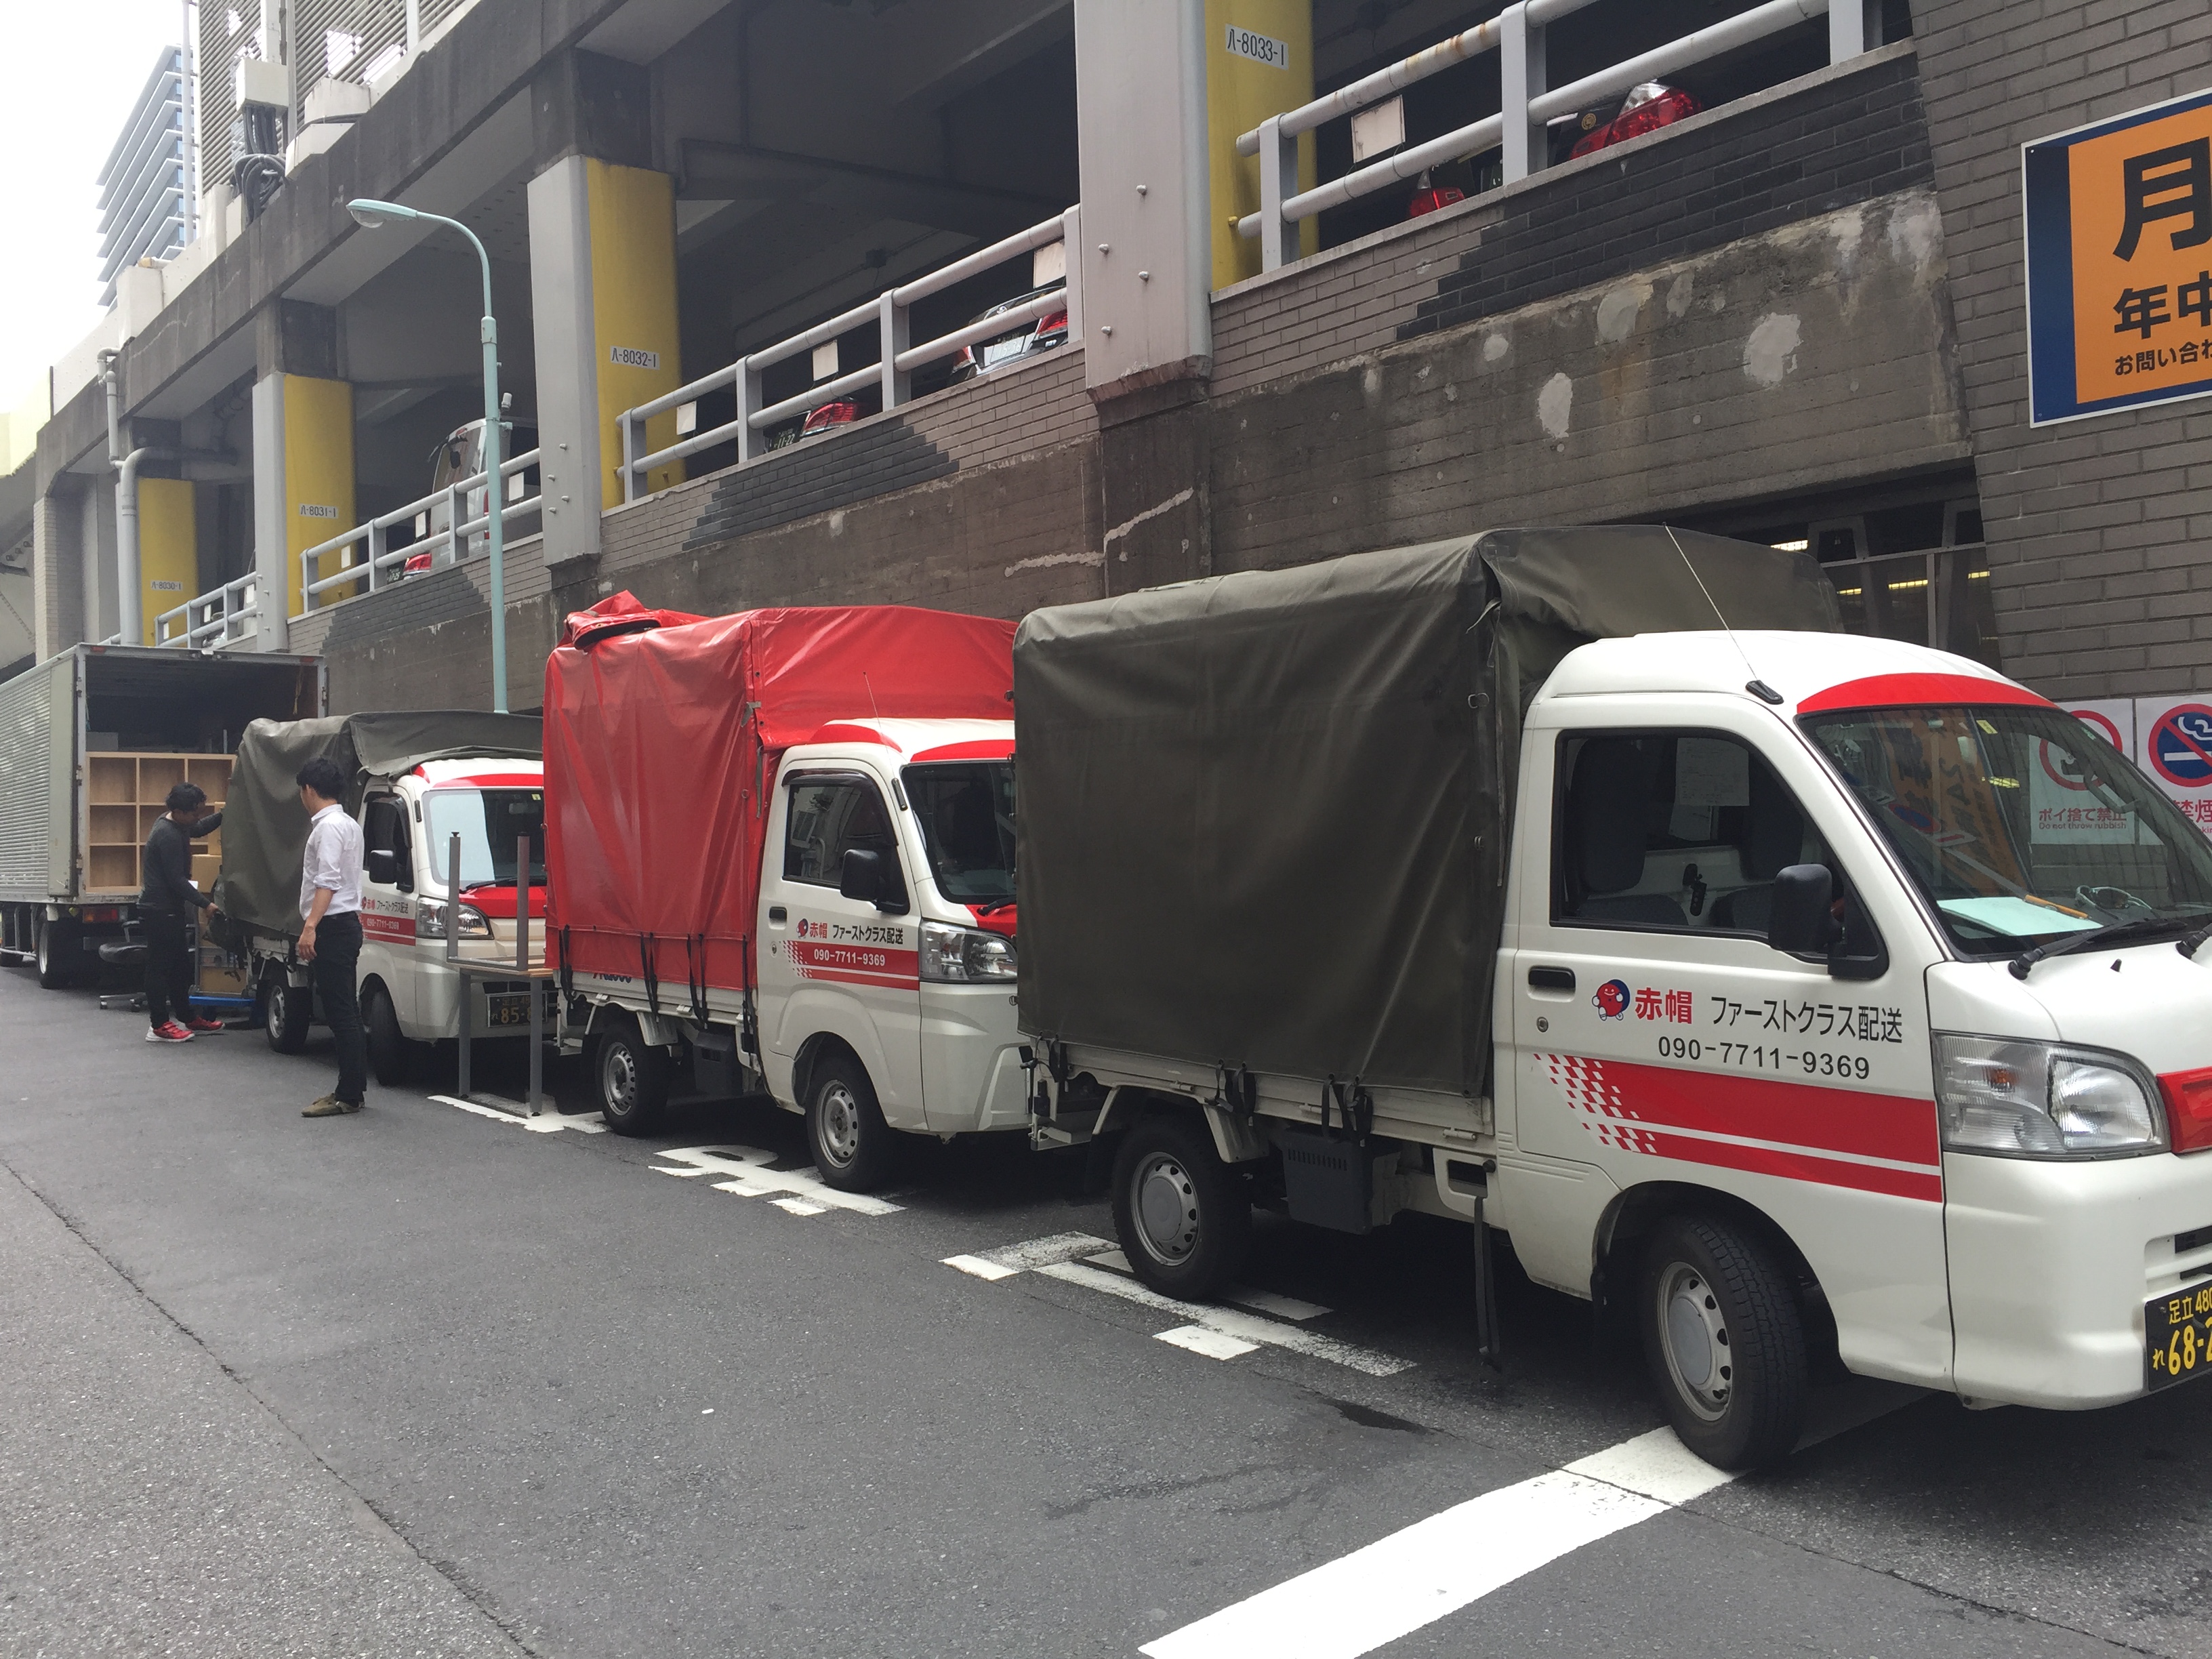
[206,868]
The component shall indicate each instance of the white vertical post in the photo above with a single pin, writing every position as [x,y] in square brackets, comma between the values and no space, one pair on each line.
[1279,178]
[629,447]
[891,326]
[1070,241]
[1521,71]
[1853,26]
[379,539]
[456,503]
[747,384]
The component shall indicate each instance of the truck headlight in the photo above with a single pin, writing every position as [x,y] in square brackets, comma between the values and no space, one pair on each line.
[430,920]
[2022,1099]
[963,956]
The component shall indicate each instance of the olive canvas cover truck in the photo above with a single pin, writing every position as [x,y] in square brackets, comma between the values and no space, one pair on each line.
[1589,886]
[91,739]
[416,780]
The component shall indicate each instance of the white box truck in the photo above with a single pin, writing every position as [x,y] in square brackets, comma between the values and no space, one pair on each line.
[1589,886]
[90,740]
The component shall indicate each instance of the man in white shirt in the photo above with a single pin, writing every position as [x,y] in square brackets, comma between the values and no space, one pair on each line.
[330,931]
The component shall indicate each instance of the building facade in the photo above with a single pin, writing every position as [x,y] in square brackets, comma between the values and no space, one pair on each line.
[146,188]
[1787,301]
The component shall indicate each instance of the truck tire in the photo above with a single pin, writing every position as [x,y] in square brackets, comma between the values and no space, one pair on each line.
[1724,1341]
[633,1078]
[285,1014]
[1183,1215]
[855,1150]
[58,968]
[393,1054]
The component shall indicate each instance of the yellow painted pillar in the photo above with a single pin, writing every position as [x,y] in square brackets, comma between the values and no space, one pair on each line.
[634,319]
[169,553]
[1244,85]
[317,503]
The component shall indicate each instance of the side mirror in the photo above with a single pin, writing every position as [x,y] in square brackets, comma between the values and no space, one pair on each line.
[1797,920]
[381,865]
[870,876]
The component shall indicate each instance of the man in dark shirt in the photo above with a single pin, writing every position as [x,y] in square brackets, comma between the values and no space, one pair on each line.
[167,902]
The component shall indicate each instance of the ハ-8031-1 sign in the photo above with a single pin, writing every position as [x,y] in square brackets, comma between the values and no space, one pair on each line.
[2177,1337]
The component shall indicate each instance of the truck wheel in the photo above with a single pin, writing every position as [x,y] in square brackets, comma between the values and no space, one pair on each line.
[393,1055]
[58,953]
[853,1148]
[1724,1342]
[1184,1218]
[284,1013]
[632,1079]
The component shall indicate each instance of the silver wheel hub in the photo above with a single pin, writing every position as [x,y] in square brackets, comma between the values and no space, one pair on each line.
[840,1117]
[1163,1202]
[618,1079]
[1696,1340]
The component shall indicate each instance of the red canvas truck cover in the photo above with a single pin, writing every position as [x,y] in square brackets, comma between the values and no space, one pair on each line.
[663,733]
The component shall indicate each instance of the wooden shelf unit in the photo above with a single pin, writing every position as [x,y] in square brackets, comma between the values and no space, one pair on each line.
[124,795]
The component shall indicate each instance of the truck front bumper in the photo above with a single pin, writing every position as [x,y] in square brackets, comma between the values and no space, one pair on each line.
[2052,1266]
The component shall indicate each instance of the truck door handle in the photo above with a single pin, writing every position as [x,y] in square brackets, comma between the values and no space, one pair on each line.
[1551,979]
[777,913]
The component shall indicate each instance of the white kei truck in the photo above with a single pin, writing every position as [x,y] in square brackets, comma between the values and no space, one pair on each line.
[417,781]
[832,890]
[1778,989]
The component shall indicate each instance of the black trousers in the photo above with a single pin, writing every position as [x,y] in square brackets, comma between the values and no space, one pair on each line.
[168,967]
[336,966]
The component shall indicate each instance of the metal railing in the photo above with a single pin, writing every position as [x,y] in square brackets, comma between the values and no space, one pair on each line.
[217,617]
[893,373]
[445,543]
[1518,35]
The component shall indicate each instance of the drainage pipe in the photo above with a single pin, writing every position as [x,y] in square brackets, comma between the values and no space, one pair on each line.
[130,609]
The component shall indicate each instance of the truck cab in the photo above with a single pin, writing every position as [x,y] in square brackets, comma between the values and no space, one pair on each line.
[410,995]
[887,939]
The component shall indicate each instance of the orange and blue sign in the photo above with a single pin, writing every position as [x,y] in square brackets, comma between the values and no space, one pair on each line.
[2119,262]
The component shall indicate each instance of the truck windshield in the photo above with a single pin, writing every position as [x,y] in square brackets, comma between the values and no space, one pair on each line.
[966,810]
[489,822]
[2020,824]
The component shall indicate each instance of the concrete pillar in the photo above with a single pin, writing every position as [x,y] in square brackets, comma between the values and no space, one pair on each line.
[603,290]
[56,571]
[1245,83]
[95,546]
[303,460]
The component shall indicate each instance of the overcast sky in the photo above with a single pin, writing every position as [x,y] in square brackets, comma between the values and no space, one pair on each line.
[66,80]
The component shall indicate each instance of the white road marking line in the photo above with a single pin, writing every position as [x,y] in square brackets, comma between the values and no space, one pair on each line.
[1244,1296]
[977,1266]
[1244,1326]
[544,1123]
[794,1206]
[745,1172]
[1201,1338]
[1413,1577]
[1043,1252]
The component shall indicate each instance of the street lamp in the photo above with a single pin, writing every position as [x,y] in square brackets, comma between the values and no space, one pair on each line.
[373,215]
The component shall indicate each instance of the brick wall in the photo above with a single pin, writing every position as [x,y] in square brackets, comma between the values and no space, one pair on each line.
[2099,588]
[1844,135]
[1815,356]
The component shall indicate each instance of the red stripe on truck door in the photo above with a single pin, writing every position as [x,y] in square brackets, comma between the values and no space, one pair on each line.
[1855,1122]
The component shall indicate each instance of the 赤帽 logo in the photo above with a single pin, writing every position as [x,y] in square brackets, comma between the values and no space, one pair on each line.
[1611,1000]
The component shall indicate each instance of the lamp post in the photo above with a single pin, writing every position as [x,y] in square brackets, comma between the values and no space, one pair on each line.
[372,215]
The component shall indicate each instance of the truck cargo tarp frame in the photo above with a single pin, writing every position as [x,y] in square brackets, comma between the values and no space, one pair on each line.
[265,828]
[1265,818]
[663,736]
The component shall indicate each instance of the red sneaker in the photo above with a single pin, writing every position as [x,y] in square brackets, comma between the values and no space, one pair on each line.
[171,1032]
[195,1024]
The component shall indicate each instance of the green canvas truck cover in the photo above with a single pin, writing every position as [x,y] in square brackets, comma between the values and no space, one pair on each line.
[1265,818]
[265,828]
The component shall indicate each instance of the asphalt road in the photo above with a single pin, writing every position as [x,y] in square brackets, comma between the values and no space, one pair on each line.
[422,1381]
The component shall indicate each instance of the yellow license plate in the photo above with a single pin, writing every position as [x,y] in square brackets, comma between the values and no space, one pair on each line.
[2177,1337]
[506,1009]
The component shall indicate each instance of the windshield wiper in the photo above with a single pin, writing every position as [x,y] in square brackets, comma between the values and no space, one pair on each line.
[2189,942]
[994,907]
[2134,927]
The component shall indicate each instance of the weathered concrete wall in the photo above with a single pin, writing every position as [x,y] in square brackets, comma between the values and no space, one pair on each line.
[1813,355]
[2099,574]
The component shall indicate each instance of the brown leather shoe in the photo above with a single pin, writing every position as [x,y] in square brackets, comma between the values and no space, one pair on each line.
[328,1106]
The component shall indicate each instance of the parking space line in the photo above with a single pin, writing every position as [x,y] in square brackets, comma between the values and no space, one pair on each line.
[544,1123]
[1414,1577]
[1230,1322]
[745,1172]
